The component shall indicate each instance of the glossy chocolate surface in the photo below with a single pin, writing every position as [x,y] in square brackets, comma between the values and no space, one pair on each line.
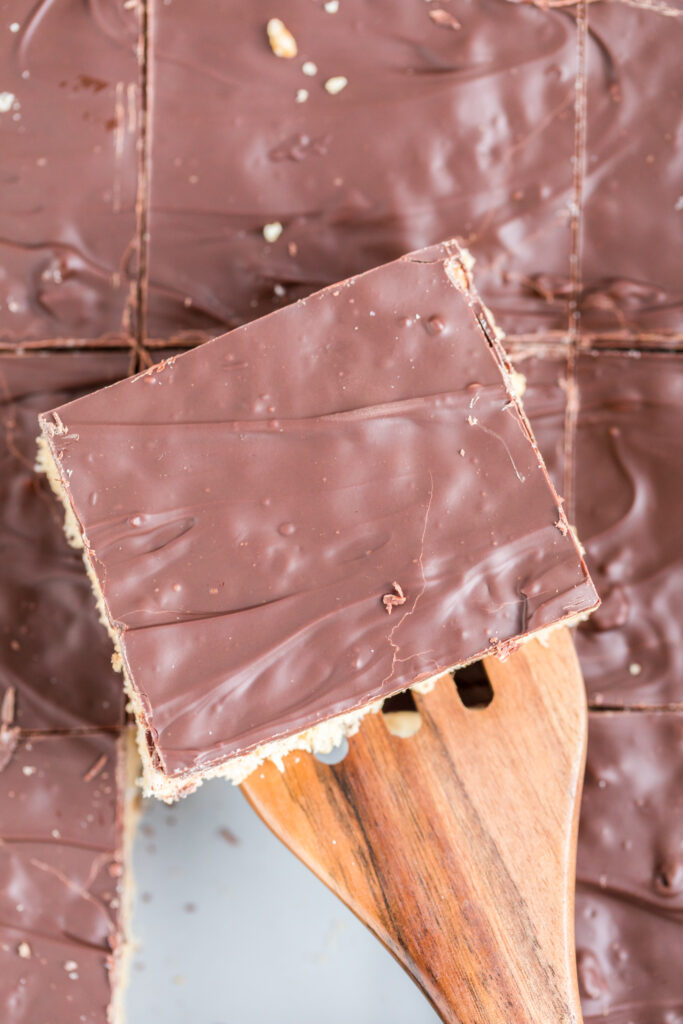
[487,142]
[628,477]
[459,127]
[60,821]
[632,213]
[617,461]
[69,131]
[629,923]
[545,372]
[249,505]
[54,652]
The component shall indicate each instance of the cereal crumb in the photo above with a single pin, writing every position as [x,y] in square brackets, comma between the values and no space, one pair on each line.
[397,598]
[24,950]
[445,19]
[332,6]
[517,383]
[335,84]
[282,42]
[271,232]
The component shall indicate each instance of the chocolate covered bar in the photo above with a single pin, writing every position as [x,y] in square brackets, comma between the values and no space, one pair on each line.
[53,651]
[629,926]
[65,807]
[311,513]
[61,865]
[291,179]
[630,268]
[609,426]
[629,496]
[69,135]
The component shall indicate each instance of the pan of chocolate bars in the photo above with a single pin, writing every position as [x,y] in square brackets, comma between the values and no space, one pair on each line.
[353,335]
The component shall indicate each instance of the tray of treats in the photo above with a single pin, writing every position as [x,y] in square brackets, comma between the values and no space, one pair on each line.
[309,471]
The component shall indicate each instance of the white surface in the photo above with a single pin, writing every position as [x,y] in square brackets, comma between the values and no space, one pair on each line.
[242,933]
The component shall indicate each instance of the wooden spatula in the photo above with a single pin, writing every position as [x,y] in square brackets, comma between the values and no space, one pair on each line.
[456,846]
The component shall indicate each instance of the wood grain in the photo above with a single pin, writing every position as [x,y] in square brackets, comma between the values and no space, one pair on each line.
[456,846]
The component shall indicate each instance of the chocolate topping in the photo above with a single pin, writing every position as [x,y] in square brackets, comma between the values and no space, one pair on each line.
[48,980]
[629,903]
[247,505]
[272,187]
[632,813]
[59,871]
[623,487]
[69,131]
[632,206]
[274,184]
[628,472]
[61,796]
[545,403]
[54,652]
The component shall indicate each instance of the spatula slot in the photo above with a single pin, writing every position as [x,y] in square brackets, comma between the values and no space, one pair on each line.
[473,686]
[401,715]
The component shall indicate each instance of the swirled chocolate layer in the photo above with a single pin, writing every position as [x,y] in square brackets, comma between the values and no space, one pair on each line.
[316,510]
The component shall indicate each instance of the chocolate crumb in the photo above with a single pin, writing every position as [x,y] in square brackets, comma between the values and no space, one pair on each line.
[389,600]
[229,836]
[562,526]
[445,19]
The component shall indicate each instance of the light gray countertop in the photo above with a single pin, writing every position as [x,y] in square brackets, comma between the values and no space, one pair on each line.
[232,929]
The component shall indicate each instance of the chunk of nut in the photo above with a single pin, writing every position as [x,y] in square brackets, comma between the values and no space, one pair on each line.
[282,42]
[272,231]
[336,84]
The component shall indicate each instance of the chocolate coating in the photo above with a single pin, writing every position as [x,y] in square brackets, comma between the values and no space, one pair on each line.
[40,989]
[461,130]
[545,402]
[60,821]
[632,207]
[248,506]
[623,485]
[53,650]
[629,925]
[69,130]
[632,812]
[628,473]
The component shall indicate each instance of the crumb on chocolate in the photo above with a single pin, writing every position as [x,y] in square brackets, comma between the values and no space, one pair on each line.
[282,42]
[272,231]
[335,84]
[445,19]
[397,598]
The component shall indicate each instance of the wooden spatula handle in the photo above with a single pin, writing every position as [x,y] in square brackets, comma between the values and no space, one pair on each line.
[457,846]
